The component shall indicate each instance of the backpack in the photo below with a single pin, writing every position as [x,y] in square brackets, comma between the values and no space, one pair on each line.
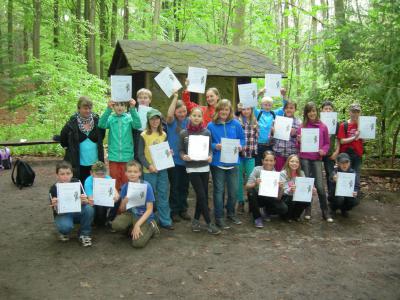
[261,112]
[5,158]
[25,174]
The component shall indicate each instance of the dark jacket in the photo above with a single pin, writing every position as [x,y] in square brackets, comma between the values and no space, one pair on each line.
[71,137]
[350,170]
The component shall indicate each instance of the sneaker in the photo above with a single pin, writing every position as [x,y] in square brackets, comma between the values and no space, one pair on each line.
[327,216]
[212,229]
[168,227]
[258,223]
[175,218]
[240,208]
[85,240]
[221,224]
[185,216]
[344,213]
[63,237]
[235,220]
[108,225]
[307,217]
[196,225]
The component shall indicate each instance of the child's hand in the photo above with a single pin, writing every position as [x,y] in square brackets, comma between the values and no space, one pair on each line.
[293,188]
[314,191]
[258,181]
[175,93]
[171,151]
[152,169]
[110,104]
[209,159]
[218,147]
[281,184]
[334,178]
[262,91]
[186,83]
[321,152]
[240,148]
[116,196]
[357,135]
[240,106]
[90,201]
[283,92]
[136,232]
[186,158]
[84,199]
[132,103]
[272,131]
[355,194]
[54,202]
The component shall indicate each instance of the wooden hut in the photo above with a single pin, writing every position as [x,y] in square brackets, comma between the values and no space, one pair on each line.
[227,66]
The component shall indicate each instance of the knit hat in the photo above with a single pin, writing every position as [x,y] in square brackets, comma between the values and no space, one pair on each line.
[153,113]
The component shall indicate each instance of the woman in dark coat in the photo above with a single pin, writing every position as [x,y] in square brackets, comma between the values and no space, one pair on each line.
[82,139]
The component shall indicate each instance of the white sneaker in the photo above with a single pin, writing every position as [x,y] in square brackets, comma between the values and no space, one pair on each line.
[63,237]
[307,217]
[329,220]
[85,240]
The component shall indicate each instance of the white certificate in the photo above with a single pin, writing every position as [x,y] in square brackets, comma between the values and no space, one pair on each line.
[136,194]
[197,80]
[309,140]
[103,191]
[345,183]
[69,197]
[273,83]
[121,88]
[367,127]
[330,120]
[304,189]
[142,111]
[248,94]
[282,128]
[269,185]
[229,150]
[167,81]
[198,148]
[161,156]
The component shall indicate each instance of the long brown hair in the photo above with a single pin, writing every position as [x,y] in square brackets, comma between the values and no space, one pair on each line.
[287,168]
[307,108]
[159,128]
[252,119]
[220,105]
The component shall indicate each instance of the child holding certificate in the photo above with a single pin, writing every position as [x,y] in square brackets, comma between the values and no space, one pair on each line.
[247,156]
[99,170]
[120,137]
[158,179]
[311,161]
[177,120]
[283,149]
[225,127]
[344,203]
[270,205]
[197,166]
[65,221]
[291,170]
[137,220]
[212,98]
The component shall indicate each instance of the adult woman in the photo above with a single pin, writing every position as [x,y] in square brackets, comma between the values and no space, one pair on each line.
[82,139]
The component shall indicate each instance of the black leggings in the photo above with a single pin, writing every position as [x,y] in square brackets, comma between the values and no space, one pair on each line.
[295,208]
[272,205]
[200,185]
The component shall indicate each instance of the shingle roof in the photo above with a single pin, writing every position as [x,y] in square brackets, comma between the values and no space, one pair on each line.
[219,60]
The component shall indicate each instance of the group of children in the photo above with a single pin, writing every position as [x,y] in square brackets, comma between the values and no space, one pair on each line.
[167,190]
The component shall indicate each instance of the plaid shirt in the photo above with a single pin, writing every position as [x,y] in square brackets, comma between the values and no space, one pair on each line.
[286,148]
[251,138]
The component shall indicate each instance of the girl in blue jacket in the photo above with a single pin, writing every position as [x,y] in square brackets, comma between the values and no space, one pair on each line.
[224,125]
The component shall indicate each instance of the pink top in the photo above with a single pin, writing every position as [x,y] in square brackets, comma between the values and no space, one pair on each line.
[324,141]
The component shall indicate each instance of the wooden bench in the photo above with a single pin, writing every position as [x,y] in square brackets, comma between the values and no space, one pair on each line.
[27,143]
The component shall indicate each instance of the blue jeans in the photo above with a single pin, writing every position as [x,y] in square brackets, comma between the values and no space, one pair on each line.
[65,222]
[246,166]
[159,183]
[313,169]
[179,189]
[220,178]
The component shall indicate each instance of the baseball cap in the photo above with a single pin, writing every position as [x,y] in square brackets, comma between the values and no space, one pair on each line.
[355,107]
[343,157]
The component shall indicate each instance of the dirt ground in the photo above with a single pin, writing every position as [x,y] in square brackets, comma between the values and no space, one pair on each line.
[355,258]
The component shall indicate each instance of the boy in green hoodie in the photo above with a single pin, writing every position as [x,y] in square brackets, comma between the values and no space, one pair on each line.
[120,137]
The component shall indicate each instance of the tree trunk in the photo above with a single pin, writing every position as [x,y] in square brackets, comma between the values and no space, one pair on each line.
[102,27]
[177,4]
[314,64]
[279,26]
[114,11]
[296,54]
[92,38]
[340,17]
[395,136]
[56,24]
[126,19]
[238,25]
[226,24]
[78,30]
[25,31]
[286,30]
[156,19]
[36,28]
[10,31]
[383,137]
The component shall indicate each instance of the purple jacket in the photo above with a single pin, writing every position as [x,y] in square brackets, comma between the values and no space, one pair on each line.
[324,141]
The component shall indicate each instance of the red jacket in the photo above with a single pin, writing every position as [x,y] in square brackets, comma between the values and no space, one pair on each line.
[208,111]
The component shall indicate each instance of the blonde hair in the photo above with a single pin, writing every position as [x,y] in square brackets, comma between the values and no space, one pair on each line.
[267,99]
[287,168]
[252,119]
[215,91]
[220,105]
[144,91]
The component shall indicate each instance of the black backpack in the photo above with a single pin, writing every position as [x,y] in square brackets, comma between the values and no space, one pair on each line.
[261,112]
[25,174]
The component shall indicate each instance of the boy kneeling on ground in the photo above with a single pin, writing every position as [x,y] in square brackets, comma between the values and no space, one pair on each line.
[138,221]
[339,202]
[65,222]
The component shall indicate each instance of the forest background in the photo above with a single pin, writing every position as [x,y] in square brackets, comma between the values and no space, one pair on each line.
[53,51]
